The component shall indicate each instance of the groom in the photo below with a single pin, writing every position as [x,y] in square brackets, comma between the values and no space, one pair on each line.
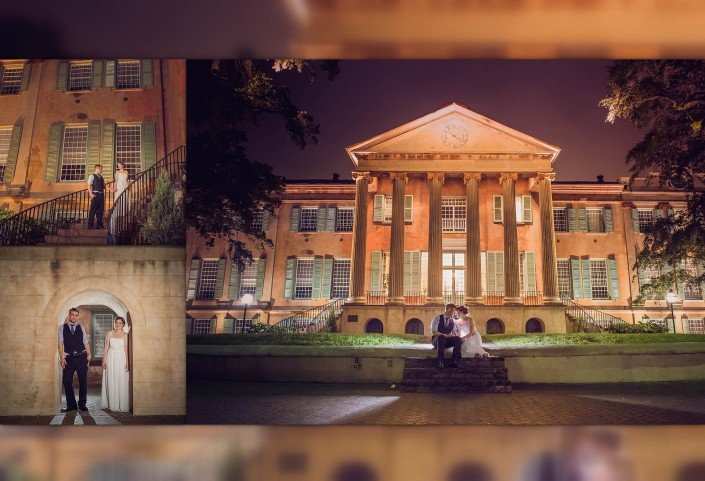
[75,354]
[445,334]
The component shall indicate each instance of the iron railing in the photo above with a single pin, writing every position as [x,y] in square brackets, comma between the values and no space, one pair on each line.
[31,226]
[590,316]
[419,298]
[314,319]
[131,207]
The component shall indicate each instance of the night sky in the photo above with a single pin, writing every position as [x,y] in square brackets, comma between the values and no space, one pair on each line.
[553,100]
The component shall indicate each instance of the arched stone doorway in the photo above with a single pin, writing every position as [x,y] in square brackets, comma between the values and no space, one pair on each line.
[534,325]
[374,326]
[414,326]
[494,326]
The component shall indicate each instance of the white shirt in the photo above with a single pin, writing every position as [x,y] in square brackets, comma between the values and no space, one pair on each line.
[436,320]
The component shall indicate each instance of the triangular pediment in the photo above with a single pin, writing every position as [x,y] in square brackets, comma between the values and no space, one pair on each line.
[453,131]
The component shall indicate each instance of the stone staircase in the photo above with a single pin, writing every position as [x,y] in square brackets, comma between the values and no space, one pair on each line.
[486,375]
[78,234]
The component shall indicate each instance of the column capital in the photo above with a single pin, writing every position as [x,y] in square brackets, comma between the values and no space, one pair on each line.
[628,205]
[471,175]
[551,176]
[362,175]
[508,175]
[399,175]
[436,175]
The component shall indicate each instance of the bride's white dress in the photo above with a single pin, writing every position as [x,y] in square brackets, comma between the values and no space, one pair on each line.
[116,381]
[120,183]
[473,344]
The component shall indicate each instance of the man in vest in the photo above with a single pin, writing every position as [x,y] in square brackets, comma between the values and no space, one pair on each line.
[445,334]
[96,190]
[75,354]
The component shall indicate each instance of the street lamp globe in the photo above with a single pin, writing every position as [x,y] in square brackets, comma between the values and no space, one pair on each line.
[672,298]
[246,299]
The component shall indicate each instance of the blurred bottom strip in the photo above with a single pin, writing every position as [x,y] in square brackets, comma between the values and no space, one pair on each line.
[249,453]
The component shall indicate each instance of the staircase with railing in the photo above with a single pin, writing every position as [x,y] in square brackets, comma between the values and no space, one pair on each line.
[594,320]
[63,220]
[314,319]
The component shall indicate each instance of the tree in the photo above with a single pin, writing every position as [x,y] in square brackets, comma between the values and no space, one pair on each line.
[225,189]
[666,98]
[165,221]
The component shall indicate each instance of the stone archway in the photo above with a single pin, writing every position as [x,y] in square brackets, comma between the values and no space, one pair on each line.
[414,326]
[494,326]
[534,325]
[374,326]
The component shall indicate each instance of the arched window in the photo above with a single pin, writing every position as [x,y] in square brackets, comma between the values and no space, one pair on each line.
[414,326]
[374,326]
[494,326]
[534,325]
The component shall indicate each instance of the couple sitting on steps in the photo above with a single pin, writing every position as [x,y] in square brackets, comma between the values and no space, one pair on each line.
[456,328]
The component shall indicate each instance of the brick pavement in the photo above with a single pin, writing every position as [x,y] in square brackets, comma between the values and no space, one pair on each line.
[213,402]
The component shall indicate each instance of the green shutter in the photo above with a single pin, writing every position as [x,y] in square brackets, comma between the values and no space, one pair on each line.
[289,279]
[295,215]
[609,222]
[582,220]
[680,284]
[12,154]
[228,325]
[572,219]
[214,323]
[321,219]
[642,279]
[93,146]
[407,272]
[265,220]
[408,208]
[108,160]
[577,285]
[149,145]
[498,203]
[527,215]
[614,278]
[635,220]
[659,214]
[147,75]
[51,168]
[26,76]
[379,209]
[491,273]
[330,221]
[193,278]
[97,74]
[317,275]
[499,268]
[530,270]
[219,279]
[686,325]
[62,76]
[416,271]
[261,267]
[109,78]
[234,283]
[327,278]
[375,271]
[587,280]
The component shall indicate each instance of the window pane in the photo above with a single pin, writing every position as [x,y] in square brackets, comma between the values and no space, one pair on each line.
[696,326]
[5,135]
[560,220]
[341,278]
[595,221]
[651,273]
[80,76]
[453,214]
[690,291]
[257,220]
[518,210]
[308,222]
[565,286]
[102,324]
[127,147]
[646,218]
[598,277]
[11,81]
[201,326]
[128,74]
[304,279]
[248,279]
[344,221]
[387,208]
[73,154]
[209,273]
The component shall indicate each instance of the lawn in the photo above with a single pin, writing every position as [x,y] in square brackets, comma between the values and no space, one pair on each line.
[502,340]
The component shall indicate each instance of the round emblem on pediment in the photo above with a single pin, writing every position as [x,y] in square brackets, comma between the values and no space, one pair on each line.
[454,136]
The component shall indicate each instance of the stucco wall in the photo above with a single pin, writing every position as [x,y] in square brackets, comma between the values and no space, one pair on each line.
[40,284]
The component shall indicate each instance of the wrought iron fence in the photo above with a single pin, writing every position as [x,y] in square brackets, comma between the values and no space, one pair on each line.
[131,207]
[31,226]
[493,298]
[454,297]
[314,319]
[532,298]
[375,298]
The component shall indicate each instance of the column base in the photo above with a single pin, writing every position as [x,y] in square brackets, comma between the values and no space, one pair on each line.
[474,301]
[357,301]
[552,301]
[395,301]
[434,301]
[513,301]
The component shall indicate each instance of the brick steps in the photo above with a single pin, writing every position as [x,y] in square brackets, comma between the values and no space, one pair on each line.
[476,375]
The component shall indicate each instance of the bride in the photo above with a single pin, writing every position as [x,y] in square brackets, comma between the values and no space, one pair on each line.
[472,341]
[116,375]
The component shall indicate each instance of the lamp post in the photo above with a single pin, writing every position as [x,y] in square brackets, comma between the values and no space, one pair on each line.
[671,298]
[246,299]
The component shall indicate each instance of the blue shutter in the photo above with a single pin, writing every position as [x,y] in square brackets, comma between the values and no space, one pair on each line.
[575,272]
[609,223]
[261,267]
[572,219]
[289,279]
[317,277]
[295,215]
[614,278]
[12,154]
[51,168]
[378,209]
[587,280]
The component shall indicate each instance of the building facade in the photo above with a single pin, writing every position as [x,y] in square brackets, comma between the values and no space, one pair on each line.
[58,118]
[481,221]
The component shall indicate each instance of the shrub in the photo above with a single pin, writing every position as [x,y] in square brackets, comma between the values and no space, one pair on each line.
[165,221]
[638,328]
[260,328]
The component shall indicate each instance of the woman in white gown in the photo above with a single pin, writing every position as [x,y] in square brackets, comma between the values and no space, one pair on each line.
[121,181]
[116,375]
[472,341]
[121,176]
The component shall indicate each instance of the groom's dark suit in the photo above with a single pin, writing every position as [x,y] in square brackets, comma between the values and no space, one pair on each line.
[446,326]
[76,361]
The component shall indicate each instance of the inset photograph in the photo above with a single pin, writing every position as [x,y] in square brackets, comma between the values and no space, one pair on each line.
[444,242]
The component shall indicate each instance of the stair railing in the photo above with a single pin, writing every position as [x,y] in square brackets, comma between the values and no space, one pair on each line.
[131,206]
[314,319]
[592,316]
[32,225]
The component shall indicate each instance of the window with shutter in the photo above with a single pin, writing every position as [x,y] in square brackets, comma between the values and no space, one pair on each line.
[646,219]
[560,219]
[376,271]
[341,279]
[208,279]
[303,283]
[308,219]
[80,76]
[74,153]
[11,81]
[248,279]
[595,221]
[128,74]
[344,219]
[128,147]
[498,208]
[5,136]
[565,288]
